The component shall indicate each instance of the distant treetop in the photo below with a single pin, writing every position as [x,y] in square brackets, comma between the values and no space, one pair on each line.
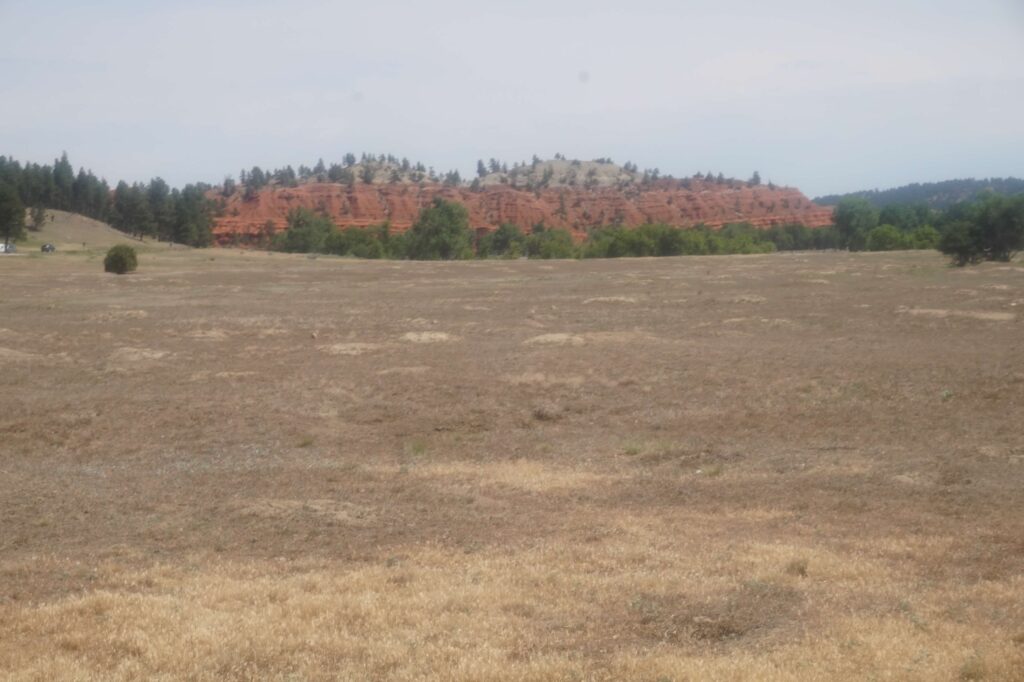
[932,194]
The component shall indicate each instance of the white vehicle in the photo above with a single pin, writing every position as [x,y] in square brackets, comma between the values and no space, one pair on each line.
[7,248]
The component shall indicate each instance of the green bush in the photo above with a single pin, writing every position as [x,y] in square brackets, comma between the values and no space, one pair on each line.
[555,243]
[961,244]
[307,232]
[507,241]
[885,238]
[368,242]
[120,259]
[441,232]
[989,229]
[925,237]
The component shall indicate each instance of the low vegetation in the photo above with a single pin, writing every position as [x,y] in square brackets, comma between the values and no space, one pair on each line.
[120,259]
[734,468]
[990,228]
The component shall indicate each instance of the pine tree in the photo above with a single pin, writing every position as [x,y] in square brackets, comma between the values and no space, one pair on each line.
[12,215]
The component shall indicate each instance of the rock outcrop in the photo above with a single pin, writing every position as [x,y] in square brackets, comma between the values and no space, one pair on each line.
[681,203]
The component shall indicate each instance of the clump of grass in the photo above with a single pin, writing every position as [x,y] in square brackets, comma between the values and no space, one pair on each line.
[714,470]
[906,609]
[416,446]
[306,442]
[946,395]
[972,669]
[546,412]
[797,567]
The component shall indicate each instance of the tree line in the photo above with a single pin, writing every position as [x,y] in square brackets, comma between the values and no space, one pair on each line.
[988,228]
[184,216]
[57,187]
[442,232]
[154,210]
[936,195]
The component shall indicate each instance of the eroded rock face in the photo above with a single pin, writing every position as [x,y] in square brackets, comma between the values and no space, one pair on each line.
[575,209]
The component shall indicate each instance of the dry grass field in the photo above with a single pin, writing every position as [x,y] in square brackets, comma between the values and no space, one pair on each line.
[250,466]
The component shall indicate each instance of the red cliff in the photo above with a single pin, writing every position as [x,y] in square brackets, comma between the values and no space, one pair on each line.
[673,202]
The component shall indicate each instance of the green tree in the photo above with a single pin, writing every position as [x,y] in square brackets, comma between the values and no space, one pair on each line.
[924,237]
[441,232]
[368,242]
[12,215]
[507,241]
[63,182]
[999,222]
[905,217]
[960,242]
[544,243]
[885,238]
[853,219]
[193,216]
[307,232]
[137,214]
[159,196]
[37,215]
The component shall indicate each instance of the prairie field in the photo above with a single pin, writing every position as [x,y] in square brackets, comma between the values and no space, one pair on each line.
[242,465]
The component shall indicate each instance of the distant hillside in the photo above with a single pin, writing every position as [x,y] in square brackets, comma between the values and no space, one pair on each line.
[571,194]
[559,193]
[71,232]
[933,194]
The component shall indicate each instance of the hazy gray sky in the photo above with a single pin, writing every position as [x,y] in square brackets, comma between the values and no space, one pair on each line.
[826,96]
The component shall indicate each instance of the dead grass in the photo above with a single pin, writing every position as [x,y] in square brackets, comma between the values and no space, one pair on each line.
[251,468]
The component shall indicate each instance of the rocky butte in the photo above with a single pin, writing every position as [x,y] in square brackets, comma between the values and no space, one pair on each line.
[574,195]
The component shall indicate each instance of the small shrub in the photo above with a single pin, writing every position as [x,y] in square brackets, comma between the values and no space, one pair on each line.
[714,471]
[120,259]
[417,447]
[797,567]
[546,412]
[973,669]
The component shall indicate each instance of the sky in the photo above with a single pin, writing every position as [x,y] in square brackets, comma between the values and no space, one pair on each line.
[826,96]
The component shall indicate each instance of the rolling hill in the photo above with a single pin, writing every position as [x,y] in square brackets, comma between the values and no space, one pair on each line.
[74,232]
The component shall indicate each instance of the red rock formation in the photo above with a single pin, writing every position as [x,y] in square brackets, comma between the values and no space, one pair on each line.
[576,209]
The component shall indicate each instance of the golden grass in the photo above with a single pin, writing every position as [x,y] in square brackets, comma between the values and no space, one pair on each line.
[634,604]
[520,473]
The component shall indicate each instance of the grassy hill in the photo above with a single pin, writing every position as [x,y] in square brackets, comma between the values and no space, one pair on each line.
[71,232]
